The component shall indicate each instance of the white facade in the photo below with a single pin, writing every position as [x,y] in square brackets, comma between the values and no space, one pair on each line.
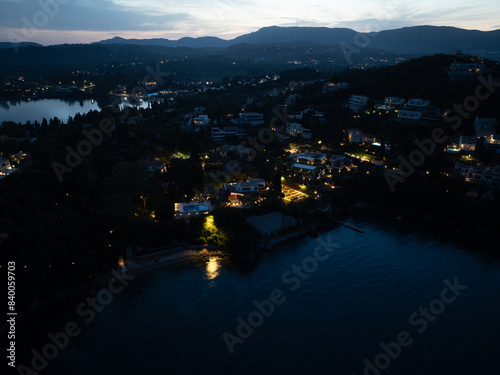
[357,102]
[5,167]
[218,134]
[467,143]
[200,122]
[408,115]
[392,101]
[485,127]
[296,116]
[355,136]
[295,129]
[191,209]
[251,118]
[418,103]
[479,173]
[309,171]
[461,71]
[493,143]
[331,86]
[251,185]
[156,165]
[310,158]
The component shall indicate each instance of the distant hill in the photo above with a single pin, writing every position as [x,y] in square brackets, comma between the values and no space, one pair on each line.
[189,63]
[4,45]
[203,42]
[267,50]
[418,39]
[434,39]
[275,34]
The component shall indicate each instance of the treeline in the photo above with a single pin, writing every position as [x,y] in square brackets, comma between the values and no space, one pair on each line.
[184,63]
[68,227]
[424,77]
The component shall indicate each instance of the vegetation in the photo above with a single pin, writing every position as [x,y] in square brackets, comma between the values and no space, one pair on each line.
[68,229]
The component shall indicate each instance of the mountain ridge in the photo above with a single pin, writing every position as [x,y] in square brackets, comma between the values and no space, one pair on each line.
[4,45]
[415,39]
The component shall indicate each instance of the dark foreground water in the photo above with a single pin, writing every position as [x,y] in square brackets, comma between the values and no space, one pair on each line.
[368,291]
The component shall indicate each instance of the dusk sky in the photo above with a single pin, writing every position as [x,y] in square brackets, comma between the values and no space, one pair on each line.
[83,21]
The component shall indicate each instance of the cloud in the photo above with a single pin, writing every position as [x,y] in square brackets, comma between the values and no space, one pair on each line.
[300,22]
[175,19]
[85,15]
[147,7]
[373,24]
[407,14]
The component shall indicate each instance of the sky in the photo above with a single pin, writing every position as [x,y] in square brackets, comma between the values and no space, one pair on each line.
[84,21]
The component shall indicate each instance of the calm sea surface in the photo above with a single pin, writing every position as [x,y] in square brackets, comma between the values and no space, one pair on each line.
[365,293]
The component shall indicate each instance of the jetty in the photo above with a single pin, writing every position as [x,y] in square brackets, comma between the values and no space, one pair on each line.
[351,226]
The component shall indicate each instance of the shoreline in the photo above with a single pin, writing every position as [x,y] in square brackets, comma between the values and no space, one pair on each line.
[437,224]
[312,230]
[161,257]
[185,255]
[43,310]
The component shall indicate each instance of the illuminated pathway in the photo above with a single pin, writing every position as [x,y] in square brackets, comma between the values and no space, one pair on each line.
[292,194]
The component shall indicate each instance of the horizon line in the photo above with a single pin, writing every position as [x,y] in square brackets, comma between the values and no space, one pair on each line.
[251,32]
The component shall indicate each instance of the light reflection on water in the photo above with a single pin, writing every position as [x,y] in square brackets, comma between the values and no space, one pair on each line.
[213,268]
[359,297]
